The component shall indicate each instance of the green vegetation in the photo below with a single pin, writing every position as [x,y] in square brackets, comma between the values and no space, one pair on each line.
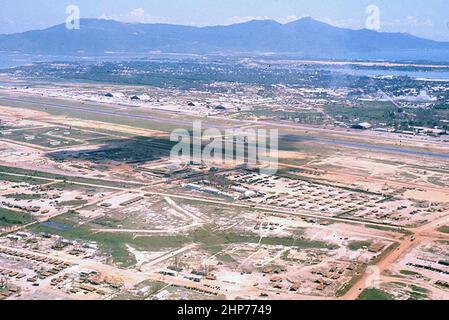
[345,287]
[36,177]
[12,218]
[359,273]
[43,137]
[357,245]
[76,134]
[387,228]
[444,229]
[409,273]
[399,284]
[289,174]
[226,258]
[72,203]
[127,297]
[114,244]
[151,287]
[23,196]
[418,289]
[161,125]
[417,296]
[375,294]
[302,116]
[211,238]
[367,111]
[20,179]
[71,226]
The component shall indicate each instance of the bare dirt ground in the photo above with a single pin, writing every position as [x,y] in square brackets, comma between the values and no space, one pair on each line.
[395,175]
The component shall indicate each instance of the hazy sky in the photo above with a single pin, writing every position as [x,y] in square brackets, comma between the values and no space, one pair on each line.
[426,18]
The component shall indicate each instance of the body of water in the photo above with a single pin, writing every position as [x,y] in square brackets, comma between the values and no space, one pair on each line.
[56,226]
[11,60]
[430,75]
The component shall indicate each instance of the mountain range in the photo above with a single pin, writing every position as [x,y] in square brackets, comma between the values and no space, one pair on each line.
[306,36]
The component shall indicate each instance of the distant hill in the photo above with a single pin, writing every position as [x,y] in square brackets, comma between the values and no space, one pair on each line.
[306,36]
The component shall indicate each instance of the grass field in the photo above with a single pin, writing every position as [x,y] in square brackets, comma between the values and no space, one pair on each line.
[107,118]
[114,244]
[19,179]
[43,137]
[444,229]
[38,177]
[23,196]
[369,111]
[409,273]
[11,218]
[357,245]
[375,294]
[68,226]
